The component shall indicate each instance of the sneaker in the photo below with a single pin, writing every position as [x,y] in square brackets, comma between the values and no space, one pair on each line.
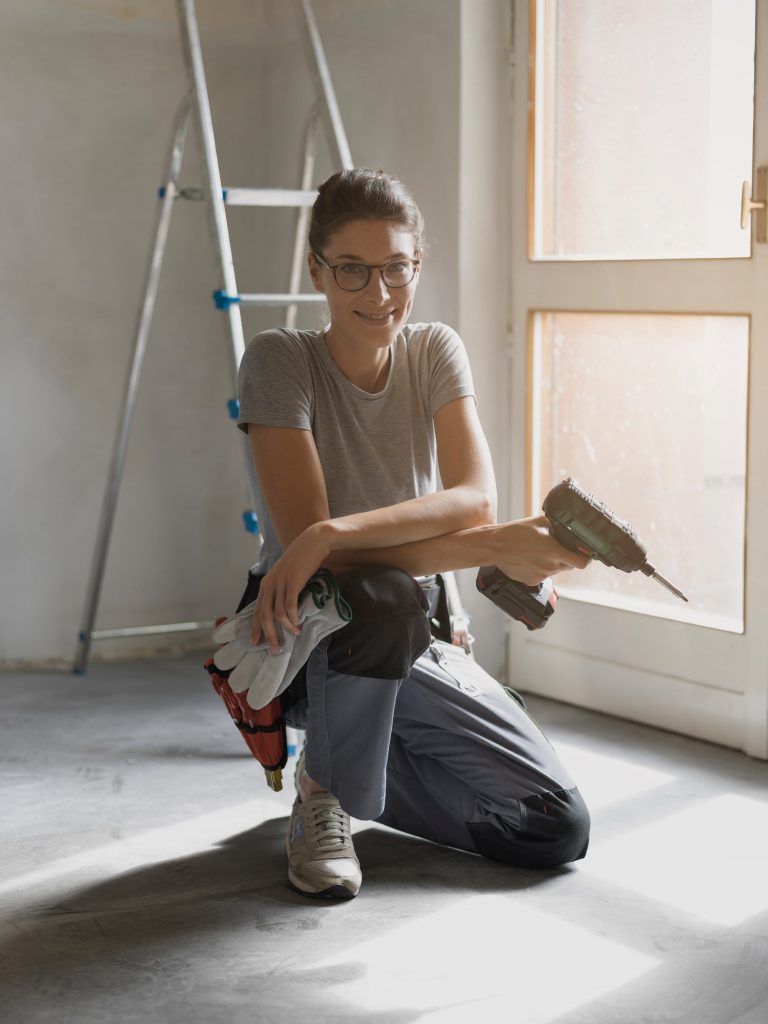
[321,858]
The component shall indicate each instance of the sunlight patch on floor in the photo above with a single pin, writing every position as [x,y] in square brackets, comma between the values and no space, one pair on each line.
[531,966]
[603,780]
[707,860]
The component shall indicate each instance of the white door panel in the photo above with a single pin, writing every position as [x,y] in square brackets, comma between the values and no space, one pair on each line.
[701,681]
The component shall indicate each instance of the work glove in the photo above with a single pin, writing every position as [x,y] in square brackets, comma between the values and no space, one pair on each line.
[253,667]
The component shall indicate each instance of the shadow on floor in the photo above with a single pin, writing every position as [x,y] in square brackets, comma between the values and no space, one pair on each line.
[227,917]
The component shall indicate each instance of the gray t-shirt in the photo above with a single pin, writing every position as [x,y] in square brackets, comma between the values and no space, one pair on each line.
[375,449]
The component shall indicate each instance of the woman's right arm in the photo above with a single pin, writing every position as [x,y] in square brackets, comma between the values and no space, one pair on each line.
[293,488]
[291,478]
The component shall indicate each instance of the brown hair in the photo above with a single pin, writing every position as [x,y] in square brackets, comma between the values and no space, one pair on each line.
[363,194]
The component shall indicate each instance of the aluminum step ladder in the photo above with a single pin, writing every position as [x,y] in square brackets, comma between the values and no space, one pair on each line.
[324,112]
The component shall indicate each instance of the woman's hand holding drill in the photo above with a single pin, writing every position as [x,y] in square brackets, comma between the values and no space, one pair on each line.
[524,550]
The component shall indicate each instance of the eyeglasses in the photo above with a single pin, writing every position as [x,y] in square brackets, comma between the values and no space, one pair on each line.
[353,277]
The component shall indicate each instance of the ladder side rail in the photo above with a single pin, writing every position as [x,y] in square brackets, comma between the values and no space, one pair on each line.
[193,58]
[141,334]
[303,215]
[337,138]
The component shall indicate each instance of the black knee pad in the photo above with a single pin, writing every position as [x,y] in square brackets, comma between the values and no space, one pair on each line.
[389,628]
[553,830]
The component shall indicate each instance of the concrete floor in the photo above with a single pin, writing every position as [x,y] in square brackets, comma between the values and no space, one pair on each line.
[143,879]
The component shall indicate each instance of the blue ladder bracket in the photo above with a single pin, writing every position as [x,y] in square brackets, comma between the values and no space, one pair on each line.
[234,408]
[251,522]
[291,741]
[223,301]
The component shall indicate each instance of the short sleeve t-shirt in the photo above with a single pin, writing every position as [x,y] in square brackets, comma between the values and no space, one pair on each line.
[375,449]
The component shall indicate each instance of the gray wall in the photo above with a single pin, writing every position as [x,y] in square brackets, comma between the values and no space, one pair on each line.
[87,95]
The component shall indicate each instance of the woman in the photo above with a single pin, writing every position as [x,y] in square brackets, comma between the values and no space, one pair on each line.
[347,427]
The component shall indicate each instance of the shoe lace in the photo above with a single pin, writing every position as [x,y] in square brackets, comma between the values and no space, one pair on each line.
[330,825]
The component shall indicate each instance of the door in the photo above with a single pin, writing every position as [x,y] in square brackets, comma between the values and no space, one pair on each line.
[640,349]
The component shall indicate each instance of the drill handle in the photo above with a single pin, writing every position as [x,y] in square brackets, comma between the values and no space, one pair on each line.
[564,536]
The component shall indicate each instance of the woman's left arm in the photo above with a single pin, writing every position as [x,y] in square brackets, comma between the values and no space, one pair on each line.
[464,459]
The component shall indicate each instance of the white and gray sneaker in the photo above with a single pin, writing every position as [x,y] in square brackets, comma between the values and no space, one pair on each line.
[321,858]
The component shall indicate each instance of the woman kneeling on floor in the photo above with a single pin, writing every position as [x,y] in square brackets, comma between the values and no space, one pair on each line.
[347,427]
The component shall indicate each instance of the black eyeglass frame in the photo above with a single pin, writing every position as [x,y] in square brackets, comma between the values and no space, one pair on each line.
[369,267]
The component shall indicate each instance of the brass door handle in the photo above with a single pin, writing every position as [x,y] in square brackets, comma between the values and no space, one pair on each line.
[759,203]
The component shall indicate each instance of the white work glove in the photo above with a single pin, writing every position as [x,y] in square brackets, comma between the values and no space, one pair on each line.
[253,667]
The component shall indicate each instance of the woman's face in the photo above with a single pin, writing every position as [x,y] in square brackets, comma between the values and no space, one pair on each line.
[372,316]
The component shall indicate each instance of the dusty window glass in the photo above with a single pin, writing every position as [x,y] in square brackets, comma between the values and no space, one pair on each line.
[648,412]
[642,128]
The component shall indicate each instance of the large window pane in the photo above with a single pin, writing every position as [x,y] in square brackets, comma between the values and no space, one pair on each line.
[648,412]
[642,127]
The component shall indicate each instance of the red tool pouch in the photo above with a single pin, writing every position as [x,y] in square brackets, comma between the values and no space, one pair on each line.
[262,730]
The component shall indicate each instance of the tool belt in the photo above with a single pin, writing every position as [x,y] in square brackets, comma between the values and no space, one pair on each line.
[262,730]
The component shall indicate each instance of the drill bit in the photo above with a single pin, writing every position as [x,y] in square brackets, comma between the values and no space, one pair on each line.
[650,571]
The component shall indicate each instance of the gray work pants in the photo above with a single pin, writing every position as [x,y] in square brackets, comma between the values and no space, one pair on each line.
[429,743]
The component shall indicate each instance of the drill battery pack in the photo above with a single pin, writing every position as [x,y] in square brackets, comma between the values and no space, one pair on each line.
[532,606]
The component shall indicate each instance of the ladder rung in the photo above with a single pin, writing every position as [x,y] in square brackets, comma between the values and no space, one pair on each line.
[269,197]
[223,301]
[249,196]
[171,627]
[277,299]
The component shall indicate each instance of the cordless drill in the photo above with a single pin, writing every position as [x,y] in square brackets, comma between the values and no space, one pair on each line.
[581,523]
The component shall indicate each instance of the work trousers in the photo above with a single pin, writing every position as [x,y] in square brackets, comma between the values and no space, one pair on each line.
[411,732]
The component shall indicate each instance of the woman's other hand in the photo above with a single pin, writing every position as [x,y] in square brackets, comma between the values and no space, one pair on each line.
[278,600]
[527,552]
